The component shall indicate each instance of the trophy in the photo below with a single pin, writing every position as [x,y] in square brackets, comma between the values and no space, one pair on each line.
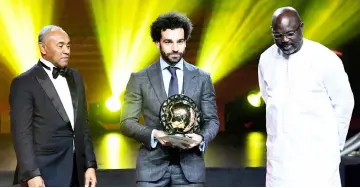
[179,115]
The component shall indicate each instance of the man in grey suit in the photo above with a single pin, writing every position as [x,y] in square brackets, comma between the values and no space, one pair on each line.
[159,163]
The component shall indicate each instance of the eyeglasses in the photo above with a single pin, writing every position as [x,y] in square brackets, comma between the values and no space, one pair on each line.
[287,34]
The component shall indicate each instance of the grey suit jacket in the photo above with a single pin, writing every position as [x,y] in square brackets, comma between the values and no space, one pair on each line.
[144,95]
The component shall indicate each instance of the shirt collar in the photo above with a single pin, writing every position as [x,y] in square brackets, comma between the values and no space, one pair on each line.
[47,63]
[164,65]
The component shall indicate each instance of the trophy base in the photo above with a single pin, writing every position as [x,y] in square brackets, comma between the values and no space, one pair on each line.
[178,140]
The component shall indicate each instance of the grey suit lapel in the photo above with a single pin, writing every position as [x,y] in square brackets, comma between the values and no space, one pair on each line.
[189,85]
[156,81]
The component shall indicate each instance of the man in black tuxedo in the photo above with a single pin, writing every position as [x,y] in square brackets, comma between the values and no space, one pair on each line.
[49,119]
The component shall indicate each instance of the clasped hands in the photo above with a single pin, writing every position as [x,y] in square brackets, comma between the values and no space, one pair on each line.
[197,139]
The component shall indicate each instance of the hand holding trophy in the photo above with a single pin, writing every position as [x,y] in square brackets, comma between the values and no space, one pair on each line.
[180,118]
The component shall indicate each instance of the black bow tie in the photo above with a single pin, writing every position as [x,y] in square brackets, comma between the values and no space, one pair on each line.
[56,71]
[59,71]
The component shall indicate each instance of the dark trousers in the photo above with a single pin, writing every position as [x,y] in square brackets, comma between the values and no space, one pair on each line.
[75,178]
[174,175]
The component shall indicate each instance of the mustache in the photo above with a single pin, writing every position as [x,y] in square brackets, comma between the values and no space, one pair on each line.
[174,53]
[285,44]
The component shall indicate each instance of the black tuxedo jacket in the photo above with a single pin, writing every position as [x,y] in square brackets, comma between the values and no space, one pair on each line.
[42,134]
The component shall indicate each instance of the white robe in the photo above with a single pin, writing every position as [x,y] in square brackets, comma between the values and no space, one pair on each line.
[309,104]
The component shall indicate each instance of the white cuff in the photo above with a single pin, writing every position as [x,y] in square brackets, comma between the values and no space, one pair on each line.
[202,146]
[153,141]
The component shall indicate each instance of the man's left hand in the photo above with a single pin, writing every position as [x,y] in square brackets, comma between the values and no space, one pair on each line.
[197,138]
[90,178]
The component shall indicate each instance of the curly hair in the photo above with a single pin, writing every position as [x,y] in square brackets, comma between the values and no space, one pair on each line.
[172,20]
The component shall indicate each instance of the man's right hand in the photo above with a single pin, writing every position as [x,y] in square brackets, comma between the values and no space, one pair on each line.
[36,182]
[159,134]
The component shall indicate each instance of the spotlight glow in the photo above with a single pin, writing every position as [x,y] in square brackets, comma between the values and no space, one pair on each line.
[116,151]
[113,104]
[255,99]
[123,31]
[235,32]
[239,30]
[331,22]
[255,147]
[20,23]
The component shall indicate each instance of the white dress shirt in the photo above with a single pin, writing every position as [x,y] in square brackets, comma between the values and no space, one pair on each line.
[62,89]
[167,75]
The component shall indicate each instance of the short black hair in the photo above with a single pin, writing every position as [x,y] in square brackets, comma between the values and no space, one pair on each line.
[171,20]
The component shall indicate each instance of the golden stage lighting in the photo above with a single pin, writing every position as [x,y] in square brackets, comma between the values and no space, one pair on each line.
[20,23]
[235,32]
[255,149]
[113,104]
[123,32]
[240,30]
[255,99]
[117,151]
[331,22]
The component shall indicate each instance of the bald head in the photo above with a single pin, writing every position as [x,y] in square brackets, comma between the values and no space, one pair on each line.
[286,16]
[287,29]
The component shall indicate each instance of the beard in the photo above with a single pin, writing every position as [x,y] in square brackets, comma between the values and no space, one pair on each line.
[290,47]
[171,58]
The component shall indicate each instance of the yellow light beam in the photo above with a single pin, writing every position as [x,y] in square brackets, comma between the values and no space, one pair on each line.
[331,22]
[20,23]
[116,151]
[236,31]
[123,32]
[111,149]
[255,149]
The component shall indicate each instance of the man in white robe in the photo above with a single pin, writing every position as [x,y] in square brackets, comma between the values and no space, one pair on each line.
[309,103]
